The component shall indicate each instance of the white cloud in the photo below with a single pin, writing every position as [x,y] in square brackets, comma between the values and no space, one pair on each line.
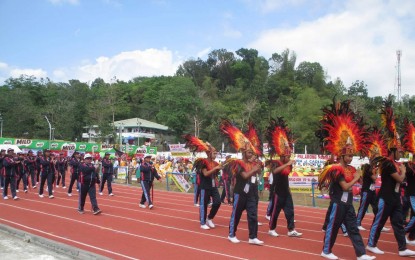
[356,43]
[72,2]
[123,66]
[7,71]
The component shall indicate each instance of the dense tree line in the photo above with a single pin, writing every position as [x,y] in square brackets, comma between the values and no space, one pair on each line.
[241,86]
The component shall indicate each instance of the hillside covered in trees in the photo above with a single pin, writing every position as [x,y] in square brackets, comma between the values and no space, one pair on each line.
[239,85]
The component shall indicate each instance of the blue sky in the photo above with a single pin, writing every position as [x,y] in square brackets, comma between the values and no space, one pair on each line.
[86,39]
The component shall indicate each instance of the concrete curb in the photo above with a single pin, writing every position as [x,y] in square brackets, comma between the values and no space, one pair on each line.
[57,247]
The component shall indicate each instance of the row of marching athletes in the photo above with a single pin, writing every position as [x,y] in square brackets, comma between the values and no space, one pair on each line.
[243,176]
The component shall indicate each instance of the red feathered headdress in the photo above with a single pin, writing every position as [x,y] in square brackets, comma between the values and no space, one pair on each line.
[376,144]
[341,130]
[196,145]
[279,138]
[408,141]
[238,140]
[252,135]
[388,122]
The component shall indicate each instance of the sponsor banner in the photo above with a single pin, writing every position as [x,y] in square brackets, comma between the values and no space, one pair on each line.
[122,173]
[180,182]
[178,148]
[151,150]
[301,184]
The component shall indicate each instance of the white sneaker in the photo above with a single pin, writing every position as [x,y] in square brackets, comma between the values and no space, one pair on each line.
[410,242]
[69,194]
[210,205]
[361,228]
[196,205]
[150,206]
[142,206]
[17,191]
[366,257]
[407,252]
[15,198]
[233,239]
[345,234]
[5,197]
[205,227]
[25,191]
[374,250]
[57,186]
[329,256]
[273,233]
[256,241]
[100,193]
[294,233]
[210,223]
[385,229]
[41,196]
[259,223]
[111,194]
[34,187]
[268,217]
[51,197]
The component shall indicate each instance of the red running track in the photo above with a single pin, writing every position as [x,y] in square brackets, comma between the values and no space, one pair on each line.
[170,230]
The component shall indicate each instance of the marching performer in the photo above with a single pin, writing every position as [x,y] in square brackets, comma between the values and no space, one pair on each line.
[61,165]
[74,168]
[107,171]
[30,164]
[46,173]
[9,173]
[207,170]
[88,177]
[280,142]
[147,175]
[245,190]
[341,134]
[392,175]
[377,147]
[408,144]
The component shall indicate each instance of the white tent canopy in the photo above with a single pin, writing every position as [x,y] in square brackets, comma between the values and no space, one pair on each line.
[7,146]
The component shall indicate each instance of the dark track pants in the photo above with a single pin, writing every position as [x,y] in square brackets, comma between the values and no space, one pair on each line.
[12,181]
[286,204]
[146,186]
[87,189]
[342,213]
[243,202]
[367,198]
[106,177]
[385,211]
[205,195]
[49,178]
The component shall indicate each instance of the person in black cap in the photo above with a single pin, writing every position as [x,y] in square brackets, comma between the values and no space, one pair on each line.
[47,173]
[9,174]
[30,164]
[88,178]
[107,171]
[74,164]
[38,166]
[61,165]
[2,155]
[21,172]
[148,173]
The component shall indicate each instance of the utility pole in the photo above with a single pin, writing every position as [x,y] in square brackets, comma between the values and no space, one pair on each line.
[398,75]
[50,130]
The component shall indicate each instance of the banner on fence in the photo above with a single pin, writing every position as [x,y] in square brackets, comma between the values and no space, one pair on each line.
[122,173]
[301,184]
[180,182]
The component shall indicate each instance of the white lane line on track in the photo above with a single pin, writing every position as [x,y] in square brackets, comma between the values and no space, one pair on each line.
[120,232]
[191,220]
[196,213]
[66,239]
